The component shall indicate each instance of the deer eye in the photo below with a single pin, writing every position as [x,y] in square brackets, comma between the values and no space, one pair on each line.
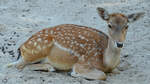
[126,27]
[109,26]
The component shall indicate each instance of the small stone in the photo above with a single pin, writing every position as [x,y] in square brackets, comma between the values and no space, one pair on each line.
[124,66]
[94,17]
[1,34]
[26,0]
[14,32]
[17,35]
[6,47]
[125,56]
[4,80]
[11,52]
[3,49]
[26,10]
[9,44]
[60,2]
[85,5]
[23,15]
[10,37]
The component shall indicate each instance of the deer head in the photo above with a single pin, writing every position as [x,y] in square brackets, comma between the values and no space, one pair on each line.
[118,24]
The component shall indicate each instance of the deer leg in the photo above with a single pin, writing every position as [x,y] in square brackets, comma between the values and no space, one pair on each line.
[42,66]
[20,64]
[86,71]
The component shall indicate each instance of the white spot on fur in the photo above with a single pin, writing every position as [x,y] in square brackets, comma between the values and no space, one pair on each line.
[30,42]
[59,33]
[71,46]
[95,54]
[39,47]
[97,60]
[82,58]
[68,41]
[57,28]
[89,48]
[82,37]
[88,34]
[39,39]
[72,42]
[39,35]
[49,45]
[51,32]
[67,37]
[44,47]
[46,41]
[82,45]
[64,41]
[65,34]
[68,30]
[87,40]
[55,33]
[73,37]
[46,34]
[32,52]
[35,43]
[85,32]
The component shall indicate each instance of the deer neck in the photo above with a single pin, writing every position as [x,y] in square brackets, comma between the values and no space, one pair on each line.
[112,55]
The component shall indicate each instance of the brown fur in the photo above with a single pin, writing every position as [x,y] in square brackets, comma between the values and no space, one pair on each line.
[95,41]
[87,51]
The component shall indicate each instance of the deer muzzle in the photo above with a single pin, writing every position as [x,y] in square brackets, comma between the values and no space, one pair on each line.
[119,44]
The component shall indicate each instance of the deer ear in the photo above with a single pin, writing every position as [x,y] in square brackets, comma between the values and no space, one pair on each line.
[135,16]
[103,13]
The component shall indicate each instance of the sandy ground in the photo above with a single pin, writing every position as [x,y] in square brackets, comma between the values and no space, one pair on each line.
[19,19]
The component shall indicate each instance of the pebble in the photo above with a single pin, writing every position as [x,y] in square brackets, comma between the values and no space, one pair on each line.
[125,56]
[3,50]
[5,80]
[11,52]
[1,34]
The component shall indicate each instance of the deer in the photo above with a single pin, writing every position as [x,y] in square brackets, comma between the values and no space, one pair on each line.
[86,51]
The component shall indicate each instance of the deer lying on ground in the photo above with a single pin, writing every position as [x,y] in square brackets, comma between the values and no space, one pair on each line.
[89,52]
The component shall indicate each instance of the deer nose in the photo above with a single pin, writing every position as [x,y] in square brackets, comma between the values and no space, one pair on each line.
[119,44]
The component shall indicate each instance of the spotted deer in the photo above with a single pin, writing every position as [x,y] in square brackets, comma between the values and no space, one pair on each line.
[88,52]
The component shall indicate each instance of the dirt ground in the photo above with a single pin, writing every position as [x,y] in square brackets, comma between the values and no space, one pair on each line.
[19,19]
